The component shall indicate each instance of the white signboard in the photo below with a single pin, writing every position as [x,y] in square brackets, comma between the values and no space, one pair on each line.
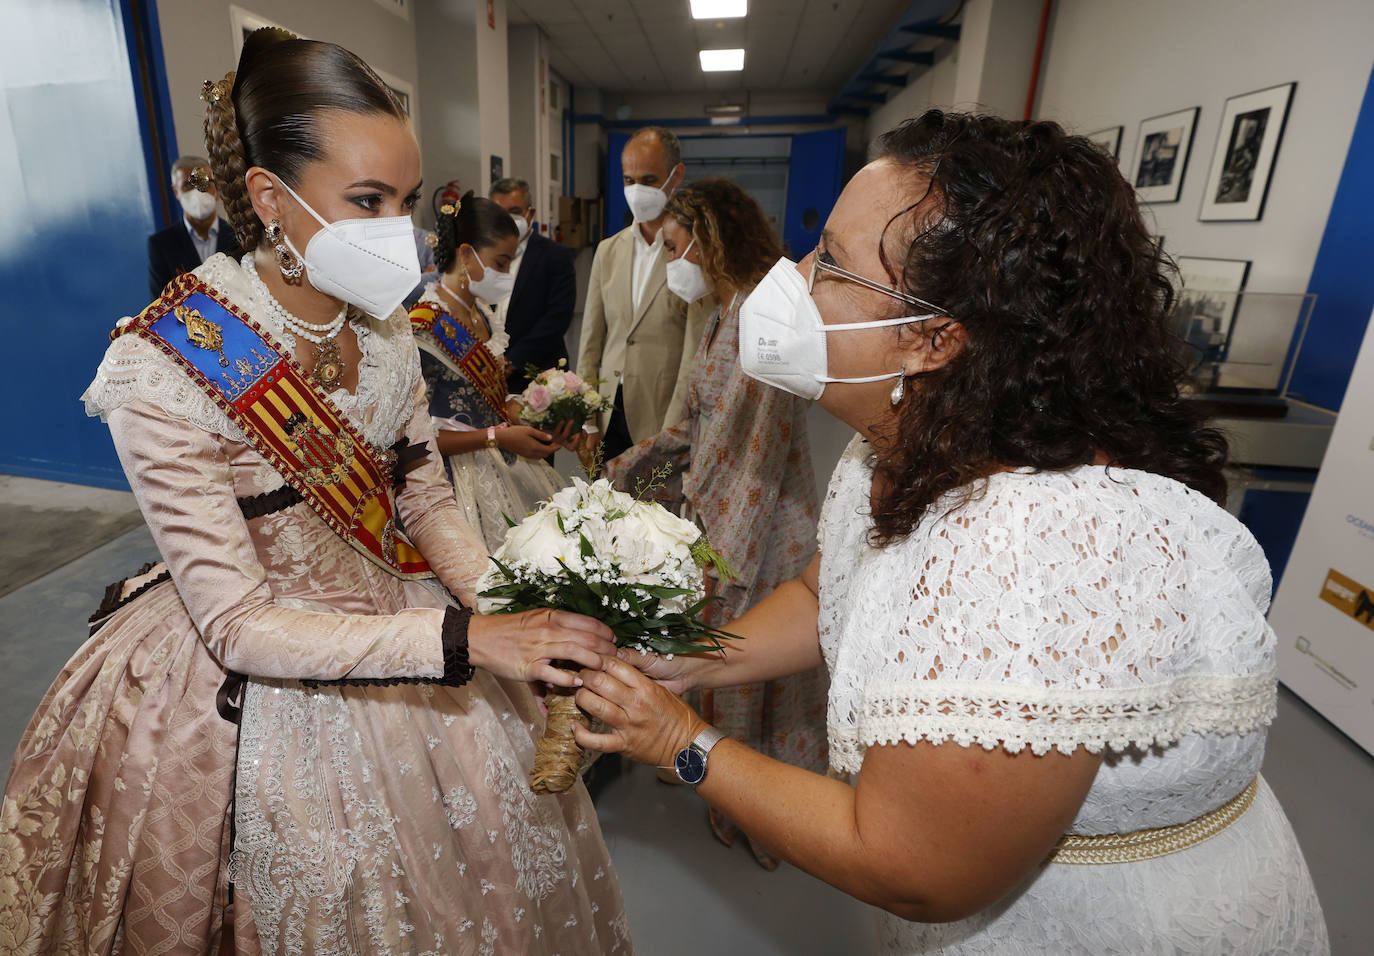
[1324,610]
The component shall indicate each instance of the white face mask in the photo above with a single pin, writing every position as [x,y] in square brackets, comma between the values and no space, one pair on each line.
[782,335]
[521,225]
[493,287]
[371,263]
[646,202]
[685,279]
[198,205]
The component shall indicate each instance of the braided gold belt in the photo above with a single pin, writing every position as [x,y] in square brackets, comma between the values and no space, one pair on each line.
[1148,844]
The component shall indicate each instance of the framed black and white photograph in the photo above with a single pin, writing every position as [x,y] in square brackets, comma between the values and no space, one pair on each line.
[1208,294]
[1109,139]
[1243,161]
[1161,155]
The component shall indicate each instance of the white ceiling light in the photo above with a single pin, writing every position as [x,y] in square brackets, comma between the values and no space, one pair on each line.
[721,61]
[719,9]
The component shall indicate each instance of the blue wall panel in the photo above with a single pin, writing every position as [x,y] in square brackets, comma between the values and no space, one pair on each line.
[74,218]
[1342,277]
[815,177]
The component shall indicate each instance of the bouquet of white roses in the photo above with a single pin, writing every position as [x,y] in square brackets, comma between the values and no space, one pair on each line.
[558,395]
[602,553]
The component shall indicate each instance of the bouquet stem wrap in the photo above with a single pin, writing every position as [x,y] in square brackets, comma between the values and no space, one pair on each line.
[557,757]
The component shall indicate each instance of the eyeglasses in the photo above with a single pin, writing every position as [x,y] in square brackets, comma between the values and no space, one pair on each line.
[823,262]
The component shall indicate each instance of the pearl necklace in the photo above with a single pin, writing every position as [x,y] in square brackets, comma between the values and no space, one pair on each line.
[316,334]
[328,360]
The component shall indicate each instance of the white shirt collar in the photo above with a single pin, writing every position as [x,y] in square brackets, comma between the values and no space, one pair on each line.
[190,227]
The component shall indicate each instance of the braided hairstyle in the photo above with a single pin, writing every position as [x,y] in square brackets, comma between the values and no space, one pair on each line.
[476,221]
[732,234]
[266,113]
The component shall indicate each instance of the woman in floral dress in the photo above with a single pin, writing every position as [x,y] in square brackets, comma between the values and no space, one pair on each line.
[742,464]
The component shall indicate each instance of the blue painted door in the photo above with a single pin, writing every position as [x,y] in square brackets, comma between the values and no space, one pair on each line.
[75,215]
[617,209]
[814,179]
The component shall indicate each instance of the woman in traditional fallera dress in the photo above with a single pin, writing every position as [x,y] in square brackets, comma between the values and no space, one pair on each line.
[1050,671]
[497,463]
[381,804]
[742,465]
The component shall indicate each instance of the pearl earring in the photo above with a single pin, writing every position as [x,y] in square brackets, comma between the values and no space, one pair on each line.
[899,390]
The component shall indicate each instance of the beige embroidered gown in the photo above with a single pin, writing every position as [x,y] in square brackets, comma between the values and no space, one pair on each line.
[369,819]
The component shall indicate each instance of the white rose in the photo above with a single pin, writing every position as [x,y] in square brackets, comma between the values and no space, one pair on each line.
[537,541]
[663,529]
[567,501]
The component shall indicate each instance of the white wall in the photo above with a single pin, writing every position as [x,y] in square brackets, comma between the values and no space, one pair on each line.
[198,45]
[1116,62]
[987,70]
[530,125]
[933,88]
[446,44]
[493,92]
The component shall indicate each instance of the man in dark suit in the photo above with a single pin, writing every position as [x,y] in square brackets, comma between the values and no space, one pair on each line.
[540,308]
[192,239]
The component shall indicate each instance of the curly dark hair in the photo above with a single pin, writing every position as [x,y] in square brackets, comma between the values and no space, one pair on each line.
[1031,239]
[477,221]
[735,241]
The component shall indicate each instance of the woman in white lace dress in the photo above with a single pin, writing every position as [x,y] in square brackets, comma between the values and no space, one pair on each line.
[380,802]
[1051,675]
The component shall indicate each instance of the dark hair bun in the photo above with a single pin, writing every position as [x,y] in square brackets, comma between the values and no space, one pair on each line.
[476,221]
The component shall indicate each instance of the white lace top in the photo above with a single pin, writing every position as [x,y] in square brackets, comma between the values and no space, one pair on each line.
[1095,607]
[133,369]
[1105,608]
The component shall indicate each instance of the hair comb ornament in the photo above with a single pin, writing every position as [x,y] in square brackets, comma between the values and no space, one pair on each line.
[431,240]
[212,92]
[451,208]
[200,179]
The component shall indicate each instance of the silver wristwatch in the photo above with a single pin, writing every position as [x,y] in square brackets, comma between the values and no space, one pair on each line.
[690,762]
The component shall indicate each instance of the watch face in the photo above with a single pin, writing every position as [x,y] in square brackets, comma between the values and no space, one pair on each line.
[690,765]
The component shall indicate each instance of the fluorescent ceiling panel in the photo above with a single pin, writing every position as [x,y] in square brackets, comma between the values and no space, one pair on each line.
[721,61]
[719,9]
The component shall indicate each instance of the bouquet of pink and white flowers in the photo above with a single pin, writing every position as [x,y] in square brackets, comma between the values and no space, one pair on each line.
[557,395]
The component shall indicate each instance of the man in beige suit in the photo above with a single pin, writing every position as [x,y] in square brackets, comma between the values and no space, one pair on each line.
[636,335]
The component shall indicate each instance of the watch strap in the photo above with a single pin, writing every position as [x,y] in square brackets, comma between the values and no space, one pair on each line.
[707,739]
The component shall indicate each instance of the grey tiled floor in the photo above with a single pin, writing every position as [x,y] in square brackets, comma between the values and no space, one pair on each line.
[686,894]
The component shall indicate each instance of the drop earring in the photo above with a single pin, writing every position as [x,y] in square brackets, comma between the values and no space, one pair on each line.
[290,266]
[899,390]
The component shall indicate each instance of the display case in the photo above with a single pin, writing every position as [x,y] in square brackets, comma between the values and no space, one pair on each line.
[1243,343]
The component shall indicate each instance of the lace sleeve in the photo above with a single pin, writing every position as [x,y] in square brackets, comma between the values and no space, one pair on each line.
[134,370]
[1057,612]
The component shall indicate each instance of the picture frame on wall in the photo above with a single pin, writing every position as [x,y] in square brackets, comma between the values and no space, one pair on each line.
[1208,297]
[1109,139]
[1161,155]
[1243,160]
